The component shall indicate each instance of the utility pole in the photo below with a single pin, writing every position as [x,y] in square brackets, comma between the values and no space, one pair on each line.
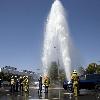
[58,69]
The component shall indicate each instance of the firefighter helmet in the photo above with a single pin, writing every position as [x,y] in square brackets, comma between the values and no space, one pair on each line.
[40,75]
[20,77]
[74,72]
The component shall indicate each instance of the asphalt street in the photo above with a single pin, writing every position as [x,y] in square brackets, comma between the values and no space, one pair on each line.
[53,94]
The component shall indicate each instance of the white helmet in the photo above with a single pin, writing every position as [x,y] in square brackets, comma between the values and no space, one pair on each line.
[40,75]
[74,72]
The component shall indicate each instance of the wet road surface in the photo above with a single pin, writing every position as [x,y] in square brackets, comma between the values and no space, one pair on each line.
[54,94]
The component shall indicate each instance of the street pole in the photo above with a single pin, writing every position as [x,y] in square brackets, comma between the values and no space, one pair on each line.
[58,78]
[58,71]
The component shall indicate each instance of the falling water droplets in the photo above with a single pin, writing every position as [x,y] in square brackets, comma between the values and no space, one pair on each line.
[56,34]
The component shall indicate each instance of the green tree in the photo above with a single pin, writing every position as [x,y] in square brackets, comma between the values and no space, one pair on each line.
[98,69]
[91,69]
[53,72]
[1,75]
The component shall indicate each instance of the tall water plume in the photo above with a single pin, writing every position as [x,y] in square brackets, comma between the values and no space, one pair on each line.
[56,39]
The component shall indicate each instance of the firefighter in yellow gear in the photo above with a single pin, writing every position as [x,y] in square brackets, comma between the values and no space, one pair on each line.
[26,84]
[46,83]
[21,83]
[12,82]
[75,81]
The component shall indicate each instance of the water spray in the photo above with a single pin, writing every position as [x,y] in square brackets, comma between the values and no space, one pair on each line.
[56,34]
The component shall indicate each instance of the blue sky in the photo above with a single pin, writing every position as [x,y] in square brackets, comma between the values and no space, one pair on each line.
[22,24]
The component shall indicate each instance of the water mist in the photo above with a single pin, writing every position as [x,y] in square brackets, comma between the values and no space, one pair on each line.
[56,39]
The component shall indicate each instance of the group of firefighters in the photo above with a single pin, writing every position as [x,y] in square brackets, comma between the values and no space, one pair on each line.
[46,84]
[19,83]
[74,79]
[22,83]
